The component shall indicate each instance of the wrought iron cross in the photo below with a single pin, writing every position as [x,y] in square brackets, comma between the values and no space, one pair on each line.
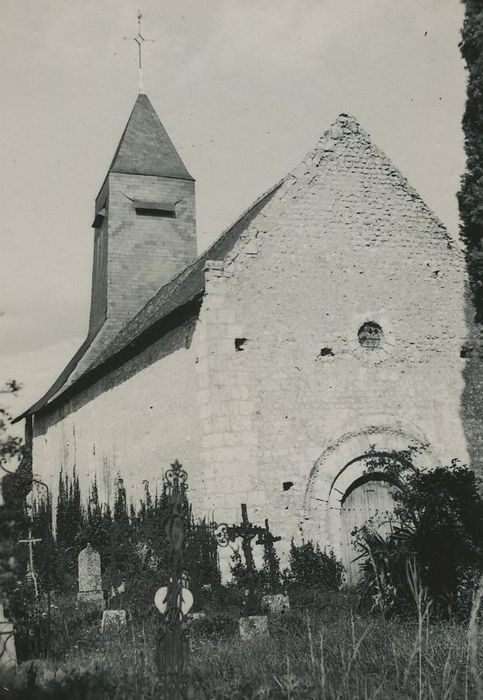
[225,534]
[140,39]
[267,539]
[174,600]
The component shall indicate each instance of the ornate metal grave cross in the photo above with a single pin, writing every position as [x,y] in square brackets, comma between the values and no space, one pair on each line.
[174,601]
[268,540]
[225,534]
[30,567]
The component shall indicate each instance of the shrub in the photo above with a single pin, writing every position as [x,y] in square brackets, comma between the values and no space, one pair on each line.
[439,527]
[313,569]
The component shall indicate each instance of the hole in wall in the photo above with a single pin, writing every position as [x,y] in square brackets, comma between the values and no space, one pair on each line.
[240,344]
[326,352]
[287,485]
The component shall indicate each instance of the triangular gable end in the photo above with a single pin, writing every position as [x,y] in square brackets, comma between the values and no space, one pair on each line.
[346,141]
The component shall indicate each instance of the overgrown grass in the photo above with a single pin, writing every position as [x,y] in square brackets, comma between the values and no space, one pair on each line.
[320,651]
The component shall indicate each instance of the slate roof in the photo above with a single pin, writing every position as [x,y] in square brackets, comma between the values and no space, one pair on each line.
[186,286]
[145,147]
[149,324]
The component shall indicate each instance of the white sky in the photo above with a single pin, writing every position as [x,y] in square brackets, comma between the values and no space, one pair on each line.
[244,88]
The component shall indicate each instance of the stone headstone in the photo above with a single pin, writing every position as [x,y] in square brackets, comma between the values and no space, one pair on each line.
[253,627]
[275,604]
[113,620]
[8,654]
[90,582]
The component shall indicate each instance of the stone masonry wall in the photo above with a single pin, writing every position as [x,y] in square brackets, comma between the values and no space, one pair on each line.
[134,422]
[268,398]
[344,241]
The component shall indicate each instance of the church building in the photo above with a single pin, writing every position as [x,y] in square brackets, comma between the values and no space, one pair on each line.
[326,324]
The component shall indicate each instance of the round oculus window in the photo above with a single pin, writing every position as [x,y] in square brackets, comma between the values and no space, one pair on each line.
[370,335]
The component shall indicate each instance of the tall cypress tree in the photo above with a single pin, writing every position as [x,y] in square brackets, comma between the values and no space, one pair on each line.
[69,524]
[471,210]
[61,510]
[121,558]
[471,195]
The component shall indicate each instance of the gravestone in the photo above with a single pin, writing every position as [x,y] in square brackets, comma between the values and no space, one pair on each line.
[113,620]
[90,582]
[8,654]
[253,627]
[275,604]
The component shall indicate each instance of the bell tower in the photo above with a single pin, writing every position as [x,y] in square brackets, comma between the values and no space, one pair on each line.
[145,229]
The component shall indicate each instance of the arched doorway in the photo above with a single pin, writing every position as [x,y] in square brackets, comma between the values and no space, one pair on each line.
[370,499]
[340,494]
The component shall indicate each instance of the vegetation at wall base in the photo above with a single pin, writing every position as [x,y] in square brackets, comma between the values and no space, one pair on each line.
[328,651]
[312,569]
[435,541]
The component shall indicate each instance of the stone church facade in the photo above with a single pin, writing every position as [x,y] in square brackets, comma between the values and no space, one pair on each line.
[326,323]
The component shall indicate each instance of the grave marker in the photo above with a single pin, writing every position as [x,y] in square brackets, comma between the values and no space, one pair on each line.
[90,581]
[113,621]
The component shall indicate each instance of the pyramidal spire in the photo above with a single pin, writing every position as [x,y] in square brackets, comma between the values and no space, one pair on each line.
[145,147]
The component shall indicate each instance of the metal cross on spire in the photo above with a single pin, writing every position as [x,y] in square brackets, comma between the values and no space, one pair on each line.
[140,39]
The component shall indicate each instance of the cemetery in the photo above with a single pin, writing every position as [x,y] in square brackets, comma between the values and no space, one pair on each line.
[260,474]
[135,606]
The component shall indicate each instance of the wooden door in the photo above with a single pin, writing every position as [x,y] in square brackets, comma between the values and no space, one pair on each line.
[370,499]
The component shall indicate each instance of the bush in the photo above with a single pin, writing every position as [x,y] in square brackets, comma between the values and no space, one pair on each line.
[37,637]
[438,530]
[313,569]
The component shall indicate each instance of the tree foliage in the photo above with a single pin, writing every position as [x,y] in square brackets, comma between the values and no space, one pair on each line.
[314,569]
[131,540]
[438,528]
[471,194]
[14,488]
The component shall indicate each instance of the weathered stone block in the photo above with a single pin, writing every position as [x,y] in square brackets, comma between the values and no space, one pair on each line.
[253,627]
[113,621]
[201,615]
[276,603]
